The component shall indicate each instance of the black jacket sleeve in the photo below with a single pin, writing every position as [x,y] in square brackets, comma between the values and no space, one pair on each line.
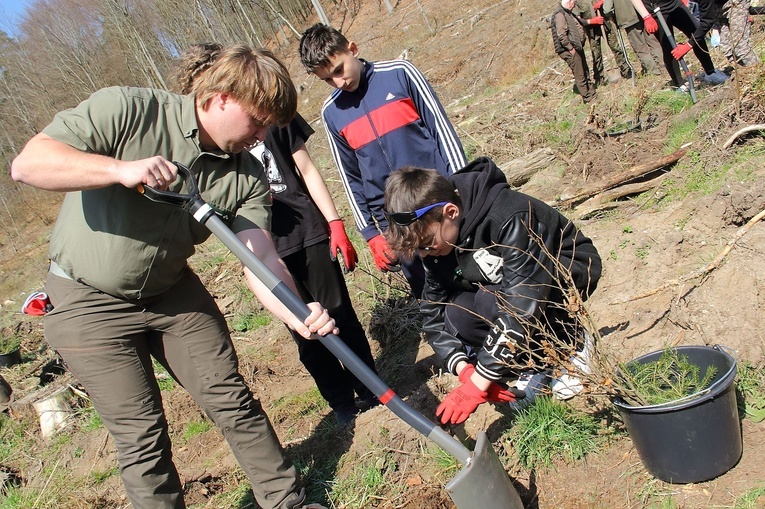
[447,347]
[527,278]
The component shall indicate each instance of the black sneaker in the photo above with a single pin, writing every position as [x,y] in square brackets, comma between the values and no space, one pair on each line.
[533,383]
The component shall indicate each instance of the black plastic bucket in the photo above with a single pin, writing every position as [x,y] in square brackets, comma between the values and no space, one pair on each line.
[10,359]
[695,438]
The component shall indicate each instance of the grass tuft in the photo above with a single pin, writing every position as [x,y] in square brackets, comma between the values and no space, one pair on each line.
[752,499]
[366,483]
[751,387]
[196,427]
[549,430]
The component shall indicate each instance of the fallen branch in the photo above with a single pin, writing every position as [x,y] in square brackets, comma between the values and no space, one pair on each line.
[606,199]
[704,271]
[626,176]
[755,127]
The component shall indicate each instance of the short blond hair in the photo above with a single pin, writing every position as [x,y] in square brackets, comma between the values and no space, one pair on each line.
[255,78]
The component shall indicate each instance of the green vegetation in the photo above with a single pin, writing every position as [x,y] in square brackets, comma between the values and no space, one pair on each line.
[164,380]
[751,386]
[91,420]
[643,251]
[752,499]
[668,102]
[368,480]
[680,133]
[669,378]
[98,477]
[196,427]
[297,406]
[251,321]
[549,430]
[447,465]
[654,495]
[9,342]
[695,177]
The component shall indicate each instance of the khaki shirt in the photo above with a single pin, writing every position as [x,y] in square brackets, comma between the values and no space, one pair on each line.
[118,241]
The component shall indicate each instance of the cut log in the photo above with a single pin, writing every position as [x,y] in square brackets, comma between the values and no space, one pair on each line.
[519,171]
[605,200]
[624,177]
[54,411]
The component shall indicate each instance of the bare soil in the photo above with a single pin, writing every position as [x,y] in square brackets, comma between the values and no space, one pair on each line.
[493,66]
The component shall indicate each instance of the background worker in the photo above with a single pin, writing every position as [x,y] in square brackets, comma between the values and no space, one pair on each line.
[381,116]
[733,29]
[568,41]
[120,284]
[645,46]
[308,233]
[677,15]
[595,24]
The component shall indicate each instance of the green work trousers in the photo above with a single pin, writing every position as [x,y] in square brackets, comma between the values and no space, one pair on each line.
[107,343]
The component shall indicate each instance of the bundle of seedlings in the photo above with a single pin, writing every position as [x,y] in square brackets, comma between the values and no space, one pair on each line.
[669,378]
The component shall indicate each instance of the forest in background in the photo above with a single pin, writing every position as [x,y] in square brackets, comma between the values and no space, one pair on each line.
[63,50]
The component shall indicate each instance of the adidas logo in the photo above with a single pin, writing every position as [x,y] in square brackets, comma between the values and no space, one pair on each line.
[389,96]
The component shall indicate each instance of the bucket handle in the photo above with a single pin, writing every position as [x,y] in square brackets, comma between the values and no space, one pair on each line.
[697,394]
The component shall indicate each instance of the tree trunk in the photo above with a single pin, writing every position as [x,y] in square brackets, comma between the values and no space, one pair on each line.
[519,171]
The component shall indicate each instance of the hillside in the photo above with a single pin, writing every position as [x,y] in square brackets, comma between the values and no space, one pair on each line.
[667,280]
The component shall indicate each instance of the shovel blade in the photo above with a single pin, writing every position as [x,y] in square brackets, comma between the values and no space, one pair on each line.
[483,482]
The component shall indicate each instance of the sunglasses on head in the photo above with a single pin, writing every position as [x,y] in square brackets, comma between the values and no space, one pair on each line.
[407,218]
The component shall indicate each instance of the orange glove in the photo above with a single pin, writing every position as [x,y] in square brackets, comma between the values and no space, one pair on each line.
[384,258]
[597,20]
[460,403]
[339,241]
[685,2]
[496,393]
[597,5]
[650,24]
[680,50]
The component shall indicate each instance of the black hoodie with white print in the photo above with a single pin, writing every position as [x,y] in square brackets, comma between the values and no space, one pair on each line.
[500,245]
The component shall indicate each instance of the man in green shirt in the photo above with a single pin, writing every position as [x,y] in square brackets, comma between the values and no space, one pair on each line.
[120,284]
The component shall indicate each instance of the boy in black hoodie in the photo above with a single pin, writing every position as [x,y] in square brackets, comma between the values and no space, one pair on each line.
[499,269]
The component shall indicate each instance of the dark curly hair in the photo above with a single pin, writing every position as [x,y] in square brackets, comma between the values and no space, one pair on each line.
[408,189]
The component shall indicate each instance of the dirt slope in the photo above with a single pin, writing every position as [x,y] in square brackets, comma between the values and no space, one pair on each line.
[492,65]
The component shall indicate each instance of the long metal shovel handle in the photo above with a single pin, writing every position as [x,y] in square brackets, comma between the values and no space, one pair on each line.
[204,214]
[672,43]
[624,52]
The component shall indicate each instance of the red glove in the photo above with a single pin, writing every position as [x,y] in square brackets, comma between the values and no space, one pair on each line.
[680,50]
[597,5]
[650,24]
[339,241]
[685,2]
[384,258]
[460,403]
[597,20]
[496,393]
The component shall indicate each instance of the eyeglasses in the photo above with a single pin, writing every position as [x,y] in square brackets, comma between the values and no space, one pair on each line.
[407,218]
[429,245]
